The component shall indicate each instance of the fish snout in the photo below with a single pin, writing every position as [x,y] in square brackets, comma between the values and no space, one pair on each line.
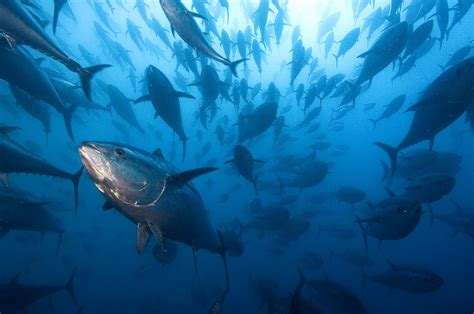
[92,157]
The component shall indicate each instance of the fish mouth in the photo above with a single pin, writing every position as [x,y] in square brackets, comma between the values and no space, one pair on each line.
[93,160]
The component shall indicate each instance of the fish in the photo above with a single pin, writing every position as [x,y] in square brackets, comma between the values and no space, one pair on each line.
[183,22]
[258,121]
[16,159]
[461,219]
[19,69]
[417,37]
[121,104]
[165,100]
[386,49]
[19,27]
[25,214]
[35,108]
[244,162]
[347,43]
[430,188]
[439,106]
[154,195]
[332,297]
[350,195]
[17,297]
[409,278]
[393,107]
[394,218]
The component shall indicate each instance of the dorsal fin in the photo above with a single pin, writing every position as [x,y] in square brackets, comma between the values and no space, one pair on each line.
[7,129]
[107,206]
[180,179]
[158,153]
[143,236]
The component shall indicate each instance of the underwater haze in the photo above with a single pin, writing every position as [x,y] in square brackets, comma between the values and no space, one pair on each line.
[251,156]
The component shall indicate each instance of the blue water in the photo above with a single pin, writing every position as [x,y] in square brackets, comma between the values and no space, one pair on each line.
[113,278]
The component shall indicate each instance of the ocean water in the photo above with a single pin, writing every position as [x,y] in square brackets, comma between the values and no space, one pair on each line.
[292,223]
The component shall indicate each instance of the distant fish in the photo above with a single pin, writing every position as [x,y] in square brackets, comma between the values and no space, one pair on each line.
[439,106]
[19,27]
[16,297]
[182,21]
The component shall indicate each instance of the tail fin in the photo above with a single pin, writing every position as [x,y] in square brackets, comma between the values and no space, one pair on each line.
[58,5]
[364,234]
[75,182]
[70,285]
[233,66]
[87,74]
[7,129]
[184,140]
[67,115]
[374,122]
[337,60]
[392,153]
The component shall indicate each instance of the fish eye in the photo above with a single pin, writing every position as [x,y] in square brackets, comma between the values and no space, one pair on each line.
[119,152]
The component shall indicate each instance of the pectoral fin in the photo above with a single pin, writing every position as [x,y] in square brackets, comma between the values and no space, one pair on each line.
[194,14]
[142,99]
[183,95]
[107,206]
[158,153]
[143,237]
[158,235]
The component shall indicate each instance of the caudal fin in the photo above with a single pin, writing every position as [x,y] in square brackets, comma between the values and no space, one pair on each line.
[58,5]
[75,182]
[374,122]
[87,74]
[184,140]
[392,154]
[233,66]
[70,285]
[337,60]
[67,115]
[364,234]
